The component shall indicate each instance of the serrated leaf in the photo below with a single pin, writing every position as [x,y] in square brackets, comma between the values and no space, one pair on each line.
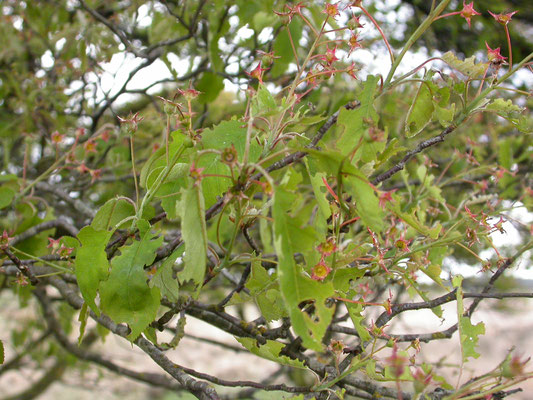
[467,67]
[445,115]
[468,333]
[125,295]
[164,279]
[319,189]
[193,231]
[295,287]
[353,125]
[263,101]
[264,289]
[270,350]
[355,312]
[91,265]
[366,200]
[2,353]
[420,112]
[111,213]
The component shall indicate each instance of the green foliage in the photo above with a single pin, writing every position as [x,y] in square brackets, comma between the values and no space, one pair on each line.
[468,333]
[125,295]
[267,181]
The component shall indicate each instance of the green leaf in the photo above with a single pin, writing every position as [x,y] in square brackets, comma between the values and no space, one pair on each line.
[353,125]
[157,161]
[420,112]
[355,311]
[91,265]
[82,318]
[468,333]
[210,85]
[264,289]
[366,200]
[270,350]
[467,67]
[263,102]
[164,277]
[111,213]
[319,189]
[295,287]
[412,220]
[193,231]
[445,115]
[125,295]
[219,137]
[6,196]
[2,355]
[282,47]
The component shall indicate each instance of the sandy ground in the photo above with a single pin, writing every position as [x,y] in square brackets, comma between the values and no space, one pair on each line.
[503,330]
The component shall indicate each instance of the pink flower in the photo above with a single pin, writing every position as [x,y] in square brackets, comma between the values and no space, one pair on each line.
[354,42]
[90,146]
[57,138]
[494,55]
[257,73]
[330,56]
[503,19]
[320,271]
[468,12]
[332,10]
[190,93]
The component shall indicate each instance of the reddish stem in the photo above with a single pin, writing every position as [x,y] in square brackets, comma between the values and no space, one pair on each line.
[510,48]
[380,31]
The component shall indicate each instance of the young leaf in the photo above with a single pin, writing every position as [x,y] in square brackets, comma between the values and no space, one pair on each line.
[295,287]
[420,112]
[164,279]
[91,265]
[125,295]
[467,67]
[193,230]
[270,350]
[111,213]
[468,333]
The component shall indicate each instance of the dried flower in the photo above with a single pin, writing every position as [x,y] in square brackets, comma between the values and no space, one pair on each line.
[229,156]
[131,122]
